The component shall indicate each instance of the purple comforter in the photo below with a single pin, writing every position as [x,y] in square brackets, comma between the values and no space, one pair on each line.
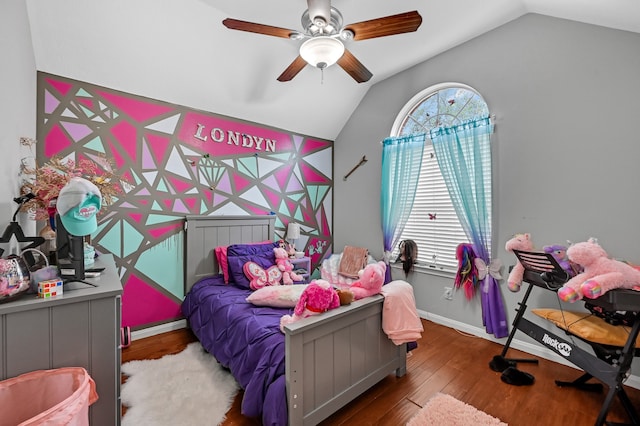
[244,338]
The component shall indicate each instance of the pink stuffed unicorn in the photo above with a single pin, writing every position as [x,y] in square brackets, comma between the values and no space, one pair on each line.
[518,242]
[318,297]
[600,274]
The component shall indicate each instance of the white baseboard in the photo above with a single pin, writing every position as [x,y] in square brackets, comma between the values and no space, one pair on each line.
[158,329]
[528,347]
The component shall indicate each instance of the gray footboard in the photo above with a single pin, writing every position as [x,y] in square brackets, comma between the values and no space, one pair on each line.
[334,357]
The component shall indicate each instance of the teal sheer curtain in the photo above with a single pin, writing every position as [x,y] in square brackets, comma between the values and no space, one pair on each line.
[401,163]
[464,157]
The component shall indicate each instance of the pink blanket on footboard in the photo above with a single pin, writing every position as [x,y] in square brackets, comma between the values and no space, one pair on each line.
[400,320]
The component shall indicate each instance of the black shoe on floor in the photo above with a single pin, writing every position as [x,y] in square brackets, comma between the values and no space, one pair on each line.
[499,363]
[513,376]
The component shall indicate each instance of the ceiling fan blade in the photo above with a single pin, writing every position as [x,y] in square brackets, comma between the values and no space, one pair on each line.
[252,27]
[354,67]
[293,69]
[389,25]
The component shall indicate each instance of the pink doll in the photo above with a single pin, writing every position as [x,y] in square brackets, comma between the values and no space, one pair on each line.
[600,274]
[519,242]
[318,297]
[285,266]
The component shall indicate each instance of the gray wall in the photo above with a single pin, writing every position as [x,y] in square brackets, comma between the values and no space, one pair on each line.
[17,104]
[566,97]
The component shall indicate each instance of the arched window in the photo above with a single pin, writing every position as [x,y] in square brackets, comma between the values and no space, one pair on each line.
[433,223]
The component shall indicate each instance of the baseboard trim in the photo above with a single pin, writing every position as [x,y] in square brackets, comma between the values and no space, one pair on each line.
[158,329]
[528,347]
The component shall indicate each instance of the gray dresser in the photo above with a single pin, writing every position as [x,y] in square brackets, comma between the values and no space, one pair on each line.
[81,328]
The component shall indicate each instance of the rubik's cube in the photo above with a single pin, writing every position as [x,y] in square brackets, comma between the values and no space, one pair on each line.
[50,288]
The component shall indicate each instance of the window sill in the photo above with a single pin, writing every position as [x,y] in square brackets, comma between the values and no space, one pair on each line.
[424,269]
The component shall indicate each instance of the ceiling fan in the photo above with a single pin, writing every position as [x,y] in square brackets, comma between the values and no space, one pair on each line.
[325,35]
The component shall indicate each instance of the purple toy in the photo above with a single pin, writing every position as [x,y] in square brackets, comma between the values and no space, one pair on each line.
[559,253]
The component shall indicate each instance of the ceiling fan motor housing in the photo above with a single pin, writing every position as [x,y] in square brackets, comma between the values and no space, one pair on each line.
[319,12]
[326,27]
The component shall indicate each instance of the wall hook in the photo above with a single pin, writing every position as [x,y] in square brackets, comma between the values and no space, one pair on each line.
[364,160]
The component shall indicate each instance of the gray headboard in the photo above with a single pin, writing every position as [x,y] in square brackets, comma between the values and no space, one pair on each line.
[204,233]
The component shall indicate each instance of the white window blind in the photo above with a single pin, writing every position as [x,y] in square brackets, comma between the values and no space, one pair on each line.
[433,223]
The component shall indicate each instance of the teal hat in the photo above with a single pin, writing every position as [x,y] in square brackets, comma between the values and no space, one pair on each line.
[78,203]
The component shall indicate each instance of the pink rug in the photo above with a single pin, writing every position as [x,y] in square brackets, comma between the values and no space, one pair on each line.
[445,410]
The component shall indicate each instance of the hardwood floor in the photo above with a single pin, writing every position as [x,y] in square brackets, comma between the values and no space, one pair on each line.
[445,361]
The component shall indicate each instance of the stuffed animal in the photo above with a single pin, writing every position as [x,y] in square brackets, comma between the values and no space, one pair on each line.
[370,280]
[259,277]
[291,250]
[318,297]
[285,266]
[559,253]
[518,242]
[345,296]
[600,273]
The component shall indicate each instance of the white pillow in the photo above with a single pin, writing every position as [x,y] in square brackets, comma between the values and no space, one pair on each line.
[329,271]
[277,296]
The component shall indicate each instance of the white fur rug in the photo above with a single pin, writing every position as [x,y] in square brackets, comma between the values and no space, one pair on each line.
[188,388]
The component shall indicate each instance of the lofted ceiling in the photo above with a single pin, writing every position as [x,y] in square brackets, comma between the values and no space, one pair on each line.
[179,51]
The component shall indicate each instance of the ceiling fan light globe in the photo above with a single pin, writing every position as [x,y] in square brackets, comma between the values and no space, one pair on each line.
[321,52]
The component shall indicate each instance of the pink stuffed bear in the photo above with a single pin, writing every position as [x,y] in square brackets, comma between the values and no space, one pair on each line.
[285,266]
[318,297]
[519,242]
[370,280]
[600,274]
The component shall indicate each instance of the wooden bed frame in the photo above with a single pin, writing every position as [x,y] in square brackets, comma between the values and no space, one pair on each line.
[331,358]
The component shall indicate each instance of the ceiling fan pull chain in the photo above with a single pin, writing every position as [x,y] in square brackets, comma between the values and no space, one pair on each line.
[321,75]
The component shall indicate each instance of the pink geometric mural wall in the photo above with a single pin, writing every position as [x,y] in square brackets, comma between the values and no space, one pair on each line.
[179,161]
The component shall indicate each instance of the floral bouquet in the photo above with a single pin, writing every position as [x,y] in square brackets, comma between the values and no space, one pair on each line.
[46,181]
